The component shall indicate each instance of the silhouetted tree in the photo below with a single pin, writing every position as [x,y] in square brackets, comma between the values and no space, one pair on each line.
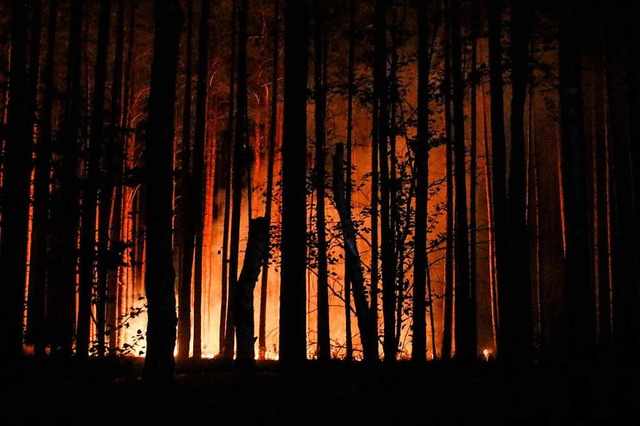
[91,187]
[184,225]
[293,339]
[273,124]
[420,261]
[62,263]
[197,208]
[159,362]
[580,297]
[15,189]
[519,288]
[320,99]
[36,332]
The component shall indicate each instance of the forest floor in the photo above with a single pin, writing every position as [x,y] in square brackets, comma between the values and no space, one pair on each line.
[111,391]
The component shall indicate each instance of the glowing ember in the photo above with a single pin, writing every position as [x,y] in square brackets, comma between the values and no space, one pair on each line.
[486,353]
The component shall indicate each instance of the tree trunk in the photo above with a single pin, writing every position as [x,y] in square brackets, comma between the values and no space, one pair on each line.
[506,335]
[184,225]
[61,273]
[91,186]
[257,250]
[324,348]
[364,315]
[227,168]
[421,262]
[159,362]
[349,186]
[625,270]
[293,341]
[198,172]
[15,190]
[465,347]
[519,289]
[447,332]
[240,152]
[473,183]
[35,332]
[580,300]
[262,327]
[113,246]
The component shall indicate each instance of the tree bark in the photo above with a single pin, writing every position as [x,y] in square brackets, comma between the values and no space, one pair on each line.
[580,300]
[324,348]
[159,362]
[61,273]
[35,332]
[364,315]
[519,289]
[185,226]
[293,341]
[198,172]
[262,327]
[257,250]
[15,190]
[91,187]
[421,262]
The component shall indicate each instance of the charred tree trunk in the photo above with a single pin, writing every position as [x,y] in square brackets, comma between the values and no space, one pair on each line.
[112,249]
[61,274]
[91,186]
[381,117]
[293,341]
[197,208]
[227,168]
[349,186]
[447,327]
[35,332]
[15,190]
[465,347]
[506,336]
[257,250]
[184,225]
[262,326]
[420,262]
[580,300]
[159,362]
[473,182]
[320,99]
[240,151]
[364,316]
[624,271]
[519,289]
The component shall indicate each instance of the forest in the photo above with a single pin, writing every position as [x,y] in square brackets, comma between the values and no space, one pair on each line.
[237,203]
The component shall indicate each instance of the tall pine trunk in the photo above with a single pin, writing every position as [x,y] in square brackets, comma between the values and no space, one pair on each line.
[197,208]
[273,125]
[580,298]
[505,332]
[421,262]
[91,187]
[519,289]
[35,332]
[15,190]
[293,342]
[159,362]
[447,323]
[320,99]
[465,347]
[184,225]
[349,186]
[61,273]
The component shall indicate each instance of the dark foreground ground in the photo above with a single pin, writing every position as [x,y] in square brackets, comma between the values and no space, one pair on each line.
[110,392]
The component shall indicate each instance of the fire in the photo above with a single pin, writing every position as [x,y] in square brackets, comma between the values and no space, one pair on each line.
[487,354]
